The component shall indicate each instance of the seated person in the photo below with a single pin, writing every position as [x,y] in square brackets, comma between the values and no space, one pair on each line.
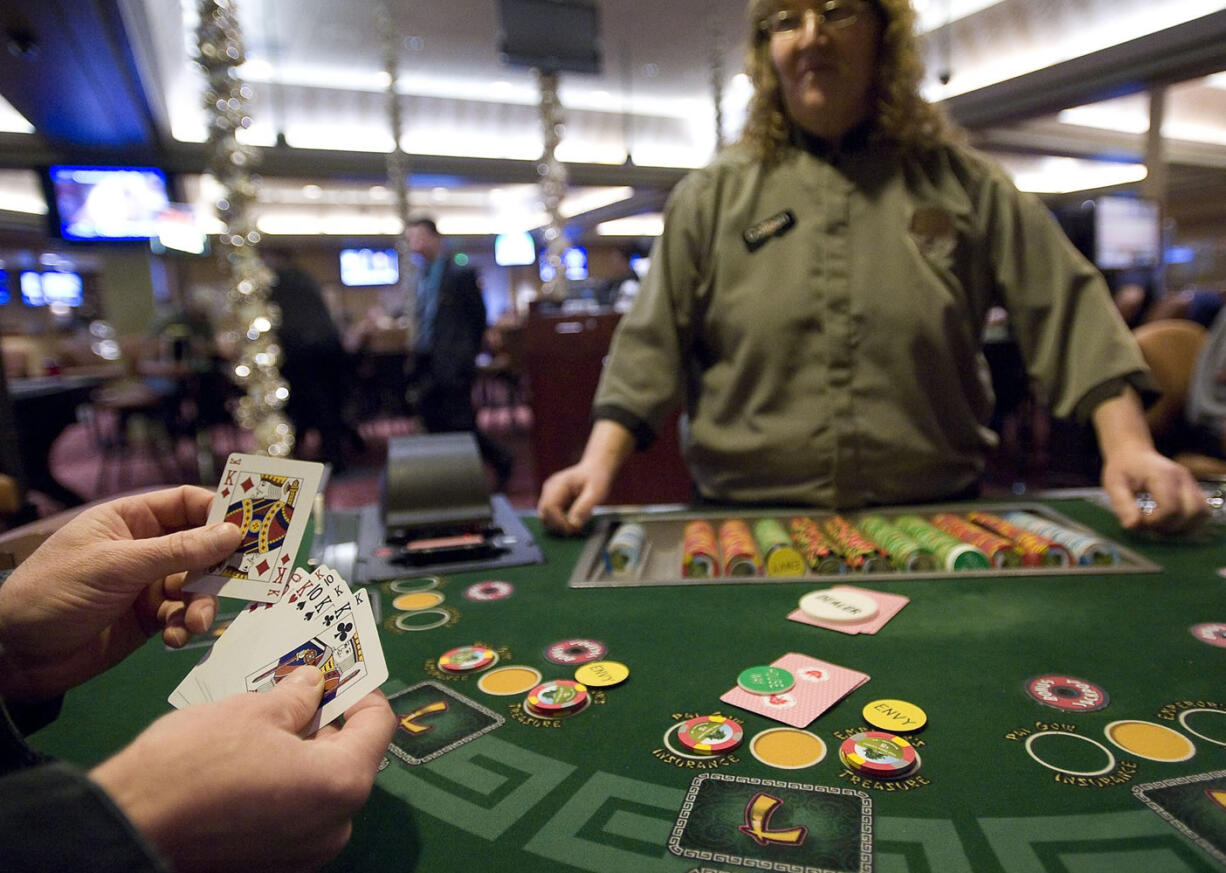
[818,297]
[225,786]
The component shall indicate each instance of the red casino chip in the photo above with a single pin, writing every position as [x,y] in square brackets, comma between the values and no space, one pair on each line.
[1067,693]
[576,651]
[879,754]
[710,734]
[560,695]
[467,659]
[1211,632]
[492,589]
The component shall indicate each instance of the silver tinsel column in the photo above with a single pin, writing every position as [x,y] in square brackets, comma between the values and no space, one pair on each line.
[251,320]
[397,160]
[553,183]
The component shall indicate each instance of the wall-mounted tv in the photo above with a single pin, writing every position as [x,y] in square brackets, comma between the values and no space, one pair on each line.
[550,35]
[514,249]
[32,288]
[95,204]
[50,288]
[369,267]
[1127,233]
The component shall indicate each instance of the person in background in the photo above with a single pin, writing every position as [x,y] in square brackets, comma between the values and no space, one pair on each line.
[314,362]
[226,786]
[451,324]
[818,297]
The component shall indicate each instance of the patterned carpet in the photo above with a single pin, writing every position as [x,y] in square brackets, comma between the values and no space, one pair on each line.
[82,461]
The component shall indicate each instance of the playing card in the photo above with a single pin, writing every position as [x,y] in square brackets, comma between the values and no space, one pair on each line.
[317,621]
[819,686]
[888,606]
[270,500]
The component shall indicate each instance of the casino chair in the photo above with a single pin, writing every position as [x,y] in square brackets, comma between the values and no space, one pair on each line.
[1171,347]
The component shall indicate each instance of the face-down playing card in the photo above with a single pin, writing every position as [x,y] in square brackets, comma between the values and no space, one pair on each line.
[819,685]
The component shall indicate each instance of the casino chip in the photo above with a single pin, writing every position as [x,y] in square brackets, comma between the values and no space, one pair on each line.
[576,651]
[1067,693]
[765,680]
[894,715]
[467,659]
[556,698]
[710,734]
[838,605]
[879,754]
[492,589]
[602,674]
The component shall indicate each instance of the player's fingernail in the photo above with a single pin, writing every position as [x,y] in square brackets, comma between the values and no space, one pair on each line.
[306,676]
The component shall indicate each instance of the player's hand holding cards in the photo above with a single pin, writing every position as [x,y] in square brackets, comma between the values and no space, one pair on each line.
[295,618]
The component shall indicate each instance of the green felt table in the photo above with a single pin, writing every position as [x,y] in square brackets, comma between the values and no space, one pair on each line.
[596,792]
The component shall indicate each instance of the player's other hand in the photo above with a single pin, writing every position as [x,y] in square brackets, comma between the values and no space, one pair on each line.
[569,496]
[1178,503]
[232,786]
[103,584]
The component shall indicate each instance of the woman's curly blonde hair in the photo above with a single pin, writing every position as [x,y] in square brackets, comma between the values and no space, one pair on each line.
[900,113]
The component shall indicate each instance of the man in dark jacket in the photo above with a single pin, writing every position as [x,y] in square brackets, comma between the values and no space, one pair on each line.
[450,327]
[314,362]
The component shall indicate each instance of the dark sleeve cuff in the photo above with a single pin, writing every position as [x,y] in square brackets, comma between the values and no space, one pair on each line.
[644,436]
[29,717]
[53,817]
[1141,382]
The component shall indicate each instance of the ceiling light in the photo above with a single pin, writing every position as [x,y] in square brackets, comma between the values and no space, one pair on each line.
[12,121]
[1051,175]
[312,192]
[647,224]
[1023,56]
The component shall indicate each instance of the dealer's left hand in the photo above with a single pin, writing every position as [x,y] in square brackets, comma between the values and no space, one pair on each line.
[1178,503]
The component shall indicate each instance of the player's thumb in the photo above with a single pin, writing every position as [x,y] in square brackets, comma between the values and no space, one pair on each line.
[192,549]
[293,701]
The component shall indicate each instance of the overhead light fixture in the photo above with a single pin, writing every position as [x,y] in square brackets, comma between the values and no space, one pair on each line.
[1059,175]
[12,121]
[648,224]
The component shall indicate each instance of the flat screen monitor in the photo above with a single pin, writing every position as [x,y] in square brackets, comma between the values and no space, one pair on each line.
[51,288]
[62,287]
[369,267]
[94,204]
[6,293]
[551,35]
[514,249]
[32,288]
[1127,233]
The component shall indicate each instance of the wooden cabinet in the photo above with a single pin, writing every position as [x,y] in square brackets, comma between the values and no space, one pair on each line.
[563,355]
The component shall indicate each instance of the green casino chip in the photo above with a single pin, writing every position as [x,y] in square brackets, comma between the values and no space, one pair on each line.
[765,680]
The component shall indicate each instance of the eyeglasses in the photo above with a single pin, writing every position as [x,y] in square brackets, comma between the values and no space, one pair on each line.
[788,23]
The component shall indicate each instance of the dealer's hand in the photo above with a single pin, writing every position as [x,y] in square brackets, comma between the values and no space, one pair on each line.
[569,496]
[100,586]
[1178,503]
[231,786]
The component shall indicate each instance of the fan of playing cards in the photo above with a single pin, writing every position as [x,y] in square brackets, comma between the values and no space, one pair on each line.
[295,618]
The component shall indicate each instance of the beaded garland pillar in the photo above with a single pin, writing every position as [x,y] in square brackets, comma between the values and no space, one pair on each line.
[251,320]
[553,183]
[397,161]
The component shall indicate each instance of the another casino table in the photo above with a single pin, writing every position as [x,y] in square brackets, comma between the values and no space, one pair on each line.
[603,791]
